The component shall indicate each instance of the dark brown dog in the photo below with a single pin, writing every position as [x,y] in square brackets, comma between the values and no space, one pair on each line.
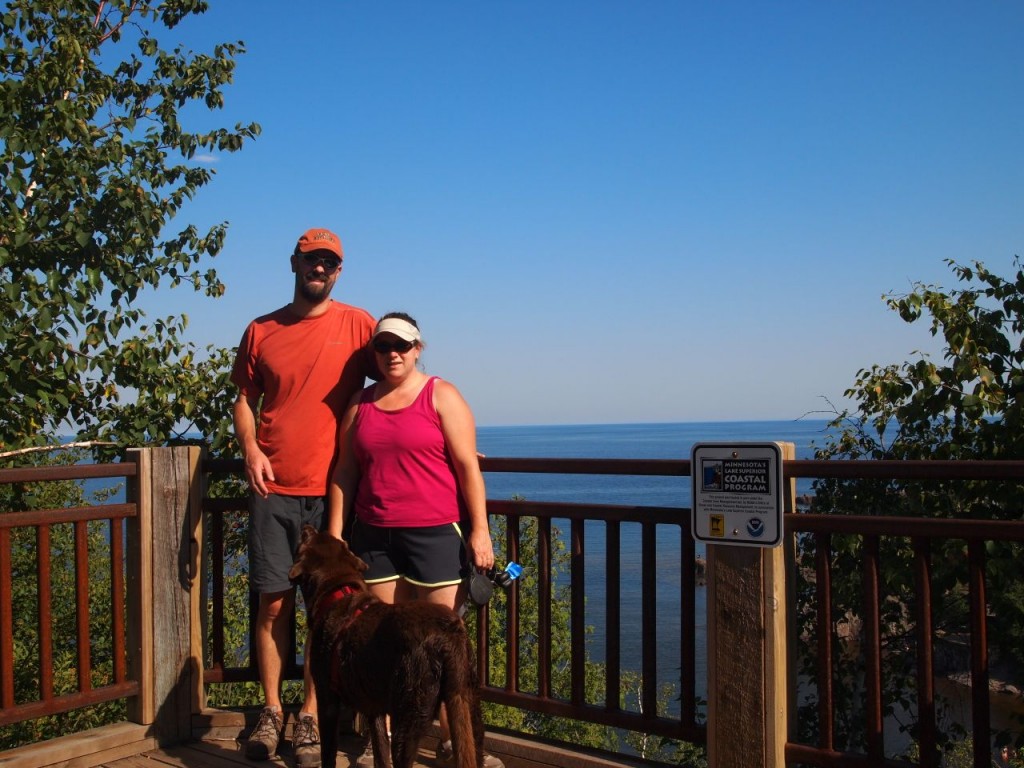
[378,659]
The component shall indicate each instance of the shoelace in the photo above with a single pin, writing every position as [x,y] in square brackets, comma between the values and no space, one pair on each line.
[267,726]
[304,731]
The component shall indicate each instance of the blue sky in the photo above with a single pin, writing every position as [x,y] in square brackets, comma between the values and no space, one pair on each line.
[654,210]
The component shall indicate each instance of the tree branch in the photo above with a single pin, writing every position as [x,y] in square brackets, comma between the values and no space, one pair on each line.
[114,29]
[48,448]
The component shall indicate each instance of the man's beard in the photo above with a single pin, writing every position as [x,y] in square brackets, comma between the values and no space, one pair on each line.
[313,291]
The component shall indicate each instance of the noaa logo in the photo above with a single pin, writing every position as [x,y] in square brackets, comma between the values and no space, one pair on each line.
[755,527]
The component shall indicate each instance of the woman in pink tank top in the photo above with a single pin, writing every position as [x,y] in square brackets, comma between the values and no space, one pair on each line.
[407,485]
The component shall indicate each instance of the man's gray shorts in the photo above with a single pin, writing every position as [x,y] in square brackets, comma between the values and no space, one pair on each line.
[275,529]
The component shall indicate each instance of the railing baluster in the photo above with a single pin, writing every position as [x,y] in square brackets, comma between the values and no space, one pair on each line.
[216,534]
[512,609]
[613,615]
[688,624]
[544,608]
[872,650]
[823,597]
[980,715]
[925,659]
[6,623]
[117,599]
[45,603]
[483,645]
[577,619]
[82,605]
[649,620]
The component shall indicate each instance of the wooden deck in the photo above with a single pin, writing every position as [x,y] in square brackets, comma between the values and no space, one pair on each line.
[229,754]
[126,745]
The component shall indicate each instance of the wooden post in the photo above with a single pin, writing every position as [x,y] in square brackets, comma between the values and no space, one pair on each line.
[747,654]
[139,555]
[176,535]
[197,554]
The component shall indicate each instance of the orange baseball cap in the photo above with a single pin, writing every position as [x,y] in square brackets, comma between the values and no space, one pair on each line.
[319,240]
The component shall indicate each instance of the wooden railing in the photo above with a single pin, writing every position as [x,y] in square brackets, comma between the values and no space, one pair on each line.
[745,728]
[919,630]
[649,715]
[92,686]
[172,570]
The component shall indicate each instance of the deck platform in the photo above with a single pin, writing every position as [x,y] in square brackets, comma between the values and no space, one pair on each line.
[126,745]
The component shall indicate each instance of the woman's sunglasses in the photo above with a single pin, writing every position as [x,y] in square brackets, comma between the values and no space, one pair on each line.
[386,347]
[329,263]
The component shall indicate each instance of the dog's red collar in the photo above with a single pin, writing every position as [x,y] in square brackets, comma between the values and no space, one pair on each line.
[337,595]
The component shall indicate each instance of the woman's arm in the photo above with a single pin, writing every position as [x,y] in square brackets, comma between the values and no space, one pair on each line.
[459,431]
[341,492]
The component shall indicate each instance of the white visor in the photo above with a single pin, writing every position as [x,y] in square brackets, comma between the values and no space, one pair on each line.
[399,327]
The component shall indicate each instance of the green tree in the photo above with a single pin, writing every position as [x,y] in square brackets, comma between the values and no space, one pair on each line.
[97,161]
[966,406]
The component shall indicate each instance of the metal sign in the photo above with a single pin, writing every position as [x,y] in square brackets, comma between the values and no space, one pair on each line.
[737,493]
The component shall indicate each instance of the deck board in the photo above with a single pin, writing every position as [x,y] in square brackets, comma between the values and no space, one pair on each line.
[229,754]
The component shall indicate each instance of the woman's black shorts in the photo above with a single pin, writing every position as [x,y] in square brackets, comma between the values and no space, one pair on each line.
[432,556]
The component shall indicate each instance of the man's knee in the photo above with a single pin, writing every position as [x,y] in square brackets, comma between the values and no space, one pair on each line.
[274,605]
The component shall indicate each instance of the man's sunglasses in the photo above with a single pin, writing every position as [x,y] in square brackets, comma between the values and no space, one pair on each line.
[386,347]
[329,263]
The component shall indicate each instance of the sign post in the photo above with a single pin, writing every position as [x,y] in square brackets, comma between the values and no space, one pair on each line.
[738,503]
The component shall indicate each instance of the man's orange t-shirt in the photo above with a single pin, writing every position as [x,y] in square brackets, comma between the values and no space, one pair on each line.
[306,370]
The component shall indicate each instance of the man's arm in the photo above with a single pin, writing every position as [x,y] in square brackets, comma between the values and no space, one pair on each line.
[257,465]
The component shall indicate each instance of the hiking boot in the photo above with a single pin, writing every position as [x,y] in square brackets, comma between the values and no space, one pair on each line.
[306,742]
[262,743]
[446,755]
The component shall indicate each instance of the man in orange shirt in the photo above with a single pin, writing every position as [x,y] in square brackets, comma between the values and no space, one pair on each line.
[296,370]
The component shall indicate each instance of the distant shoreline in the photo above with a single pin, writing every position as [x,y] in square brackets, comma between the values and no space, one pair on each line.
[598,424]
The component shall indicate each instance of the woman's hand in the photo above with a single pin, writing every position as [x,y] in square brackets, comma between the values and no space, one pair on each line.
[480,549]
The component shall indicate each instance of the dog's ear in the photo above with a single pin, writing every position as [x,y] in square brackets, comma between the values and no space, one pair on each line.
[308,532]
[356,561]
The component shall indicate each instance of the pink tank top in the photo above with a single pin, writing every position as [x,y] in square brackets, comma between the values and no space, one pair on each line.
[406,475]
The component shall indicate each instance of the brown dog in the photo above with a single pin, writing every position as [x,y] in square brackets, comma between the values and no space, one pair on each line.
[378,659]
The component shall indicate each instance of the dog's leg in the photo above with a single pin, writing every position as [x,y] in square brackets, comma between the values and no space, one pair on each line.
[413,711]
[380,741]
[329,708]
[328,716]
[405,743]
